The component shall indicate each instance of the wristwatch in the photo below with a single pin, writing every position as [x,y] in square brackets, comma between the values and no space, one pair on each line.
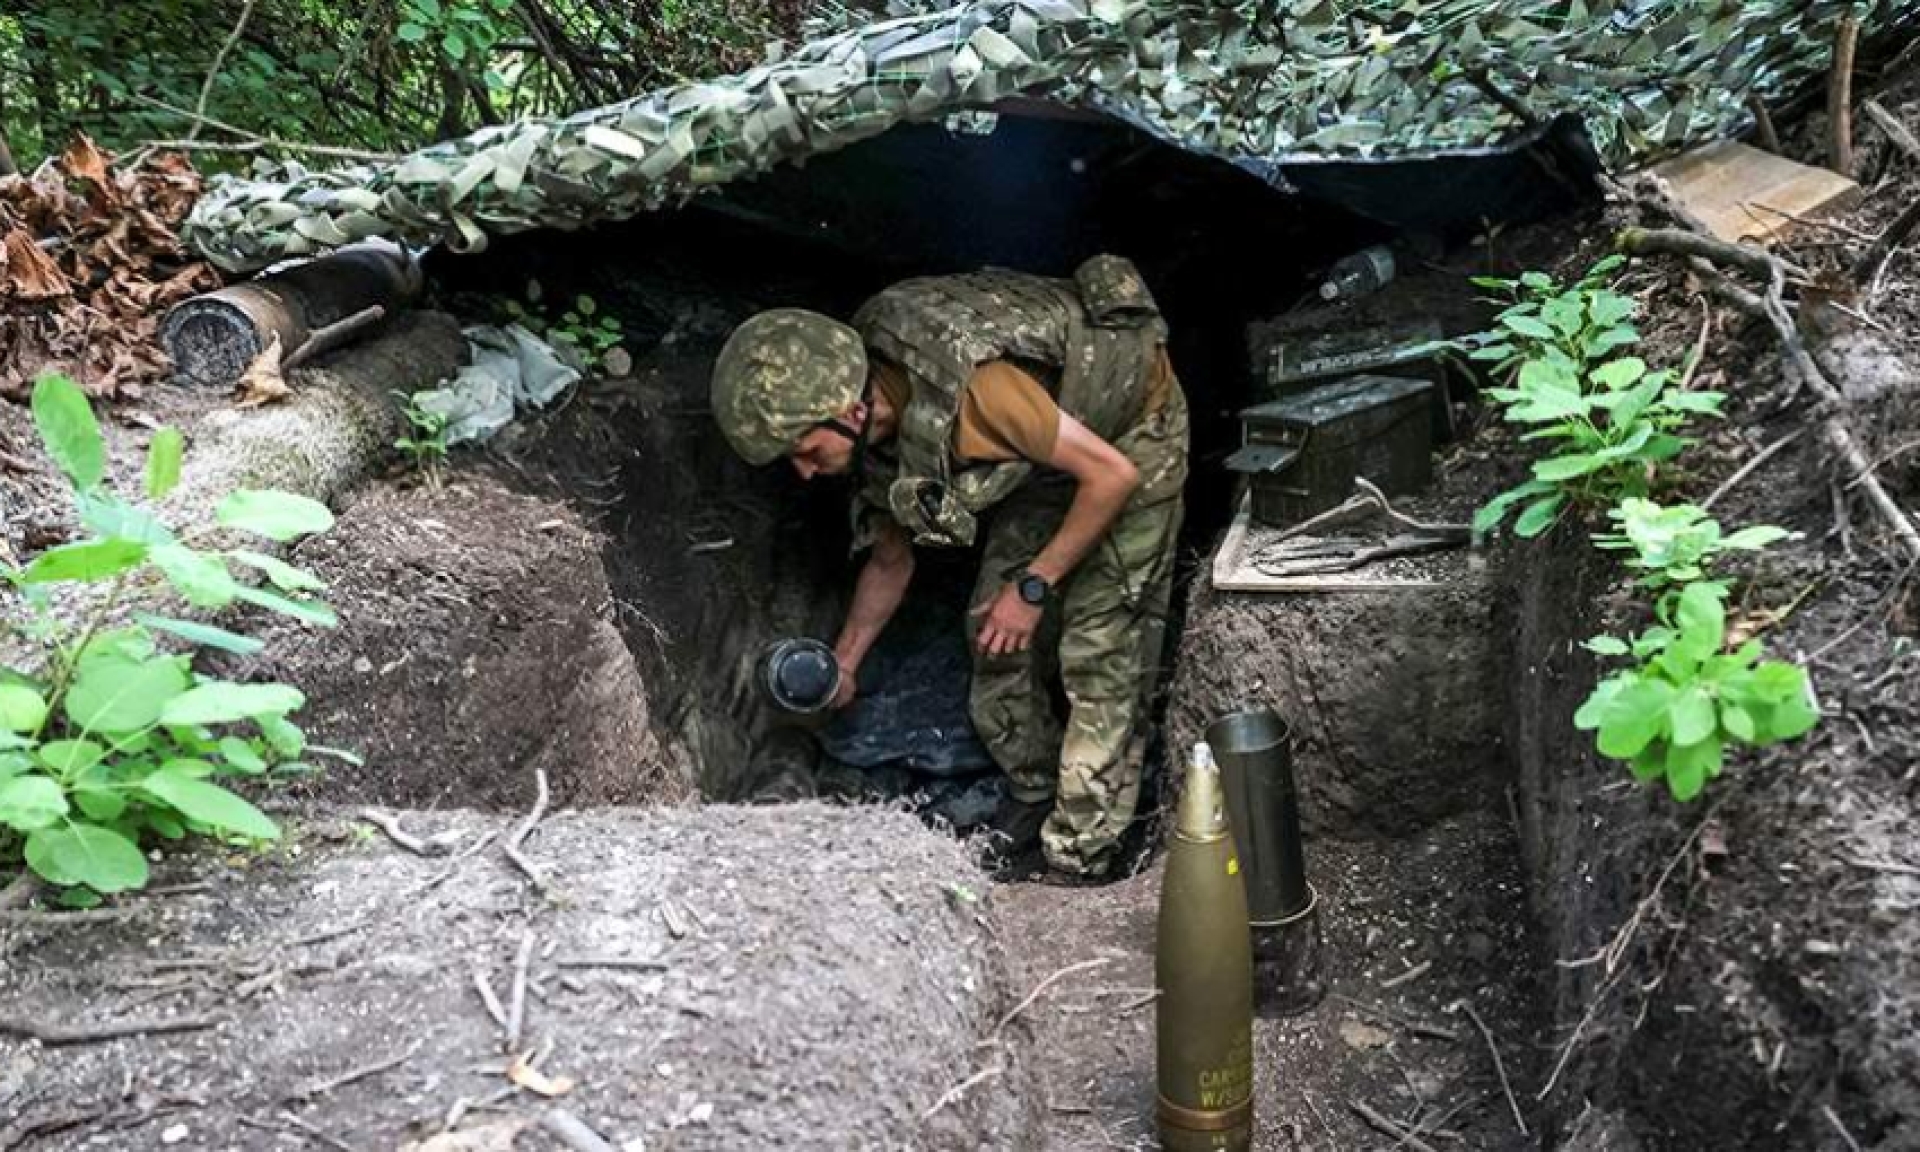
[1033,588]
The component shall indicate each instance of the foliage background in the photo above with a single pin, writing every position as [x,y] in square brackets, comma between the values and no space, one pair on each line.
[385,75]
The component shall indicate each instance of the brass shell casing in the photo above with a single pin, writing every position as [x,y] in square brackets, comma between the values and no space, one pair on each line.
[1203,967]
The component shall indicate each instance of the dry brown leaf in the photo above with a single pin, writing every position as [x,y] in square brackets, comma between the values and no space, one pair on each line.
[27,273]
[495,1137]
[83,161]
[262,382]
[533,1080]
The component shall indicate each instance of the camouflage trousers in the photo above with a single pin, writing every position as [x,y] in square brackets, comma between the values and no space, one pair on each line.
[1102,635]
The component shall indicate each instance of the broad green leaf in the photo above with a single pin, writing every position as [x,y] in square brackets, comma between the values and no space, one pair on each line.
[166,826]
[284,576]
[1651,764]
[1606,646]
[1538,281]
[1539,516]
[104,514]
[103,806]
[1689,768]
[1564,314]
[189,766]
[1693,717]
[88,560]
[241,756]
[1557,468]
[29,803]
[207,803]
[279,516]
[1702,619]
[205,635]
[311,611]
[340,754]
[116,696]
[1606,309]
[1737,721]
[1756,537]
[1594,710]
[69,431]
[103,860]
[163,462]
[201,577]
[410,33]
[1528,326]
[70,758]
[224,702]
[1634,717]
[1616,375]
[21,708]
[283,735]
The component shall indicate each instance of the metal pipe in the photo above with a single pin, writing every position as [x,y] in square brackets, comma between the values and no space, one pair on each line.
[1254,751]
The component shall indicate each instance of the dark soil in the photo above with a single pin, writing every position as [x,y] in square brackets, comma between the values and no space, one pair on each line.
[829,1003]
[475,649]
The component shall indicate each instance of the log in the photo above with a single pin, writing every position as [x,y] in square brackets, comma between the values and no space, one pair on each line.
[212,338]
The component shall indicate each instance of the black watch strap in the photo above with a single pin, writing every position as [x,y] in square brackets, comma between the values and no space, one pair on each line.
[1033,587]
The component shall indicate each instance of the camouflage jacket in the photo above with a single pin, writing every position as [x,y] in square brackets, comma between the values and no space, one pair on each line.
[1096,333]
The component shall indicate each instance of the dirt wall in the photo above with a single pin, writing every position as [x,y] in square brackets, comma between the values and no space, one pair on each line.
[800,978]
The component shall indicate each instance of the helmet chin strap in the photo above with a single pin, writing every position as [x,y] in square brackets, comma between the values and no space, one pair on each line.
[860,436]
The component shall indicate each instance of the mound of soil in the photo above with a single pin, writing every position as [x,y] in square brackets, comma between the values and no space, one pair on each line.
[715,978]
[475,647]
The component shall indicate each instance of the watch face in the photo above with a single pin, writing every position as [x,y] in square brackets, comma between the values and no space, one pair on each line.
[1033,589]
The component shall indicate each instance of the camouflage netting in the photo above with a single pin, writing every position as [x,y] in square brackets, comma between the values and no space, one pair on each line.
[1260,84]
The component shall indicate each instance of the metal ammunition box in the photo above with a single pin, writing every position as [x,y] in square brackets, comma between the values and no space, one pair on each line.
[1302,452]
[1409,348]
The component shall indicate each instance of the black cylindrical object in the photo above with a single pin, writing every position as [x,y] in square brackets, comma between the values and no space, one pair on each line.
[799,676]
[1255,755]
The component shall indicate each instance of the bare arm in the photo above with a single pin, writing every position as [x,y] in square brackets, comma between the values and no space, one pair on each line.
[1106,481]
[877,593]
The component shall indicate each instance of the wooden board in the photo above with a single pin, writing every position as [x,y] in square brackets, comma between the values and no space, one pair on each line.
[1234,569]
[1731,188]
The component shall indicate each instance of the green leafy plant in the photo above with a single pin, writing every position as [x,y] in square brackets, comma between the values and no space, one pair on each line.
[106,740]
[1673,715]
[1610,419]
[581,327]
[1676,545]
[425,444]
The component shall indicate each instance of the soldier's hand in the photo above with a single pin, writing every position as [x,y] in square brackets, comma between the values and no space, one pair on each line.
[844,690]
[1009,625]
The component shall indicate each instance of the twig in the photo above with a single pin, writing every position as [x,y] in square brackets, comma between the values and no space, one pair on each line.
[1417,1027]
[321,1088]
[1763,124]
[1413,973]
[574,1132]
[273,144]
[520,834]
[1879,610]
[1840,95]
[1315,1109]
[55,1034]
[213,70]
[959,1091]
[643,963]
[1387,1126]
[1041,988]
[333,335]
[19,891]
[1890,866]
[391,826]
[478,846]
[1499,1065]
[289,1120]
[1896,132]
[1805,221]
[1617,947]
[1884,245]
[1747,469]
[1671,242]
[517,999]
[489,999]
[1833,1118]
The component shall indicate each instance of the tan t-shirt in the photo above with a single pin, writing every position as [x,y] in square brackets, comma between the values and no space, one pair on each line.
[1005,413]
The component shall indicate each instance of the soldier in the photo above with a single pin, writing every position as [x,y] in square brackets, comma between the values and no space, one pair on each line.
[1043,417]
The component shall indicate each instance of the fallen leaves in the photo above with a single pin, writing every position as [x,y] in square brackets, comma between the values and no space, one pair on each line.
[262,383]
[89,262]
[523,1073]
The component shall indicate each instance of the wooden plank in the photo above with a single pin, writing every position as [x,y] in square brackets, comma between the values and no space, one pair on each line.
[1732,187]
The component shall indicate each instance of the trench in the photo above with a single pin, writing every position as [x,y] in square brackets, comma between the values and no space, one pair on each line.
[1423,827]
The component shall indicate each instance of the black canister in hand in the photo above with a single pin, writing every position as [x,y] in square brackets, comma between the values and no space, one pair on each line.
[799,676]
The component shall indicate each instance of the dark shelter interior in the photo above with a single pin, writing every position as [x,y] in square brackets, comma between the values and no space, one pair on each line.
[750,556]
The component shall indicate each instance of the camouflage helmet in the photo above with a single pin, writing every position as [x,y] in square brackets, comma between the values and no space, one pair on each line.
[781,373]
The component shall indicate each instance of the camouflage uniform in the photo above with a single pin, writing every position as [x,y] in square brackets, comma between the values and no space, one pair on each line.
[1094,342]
